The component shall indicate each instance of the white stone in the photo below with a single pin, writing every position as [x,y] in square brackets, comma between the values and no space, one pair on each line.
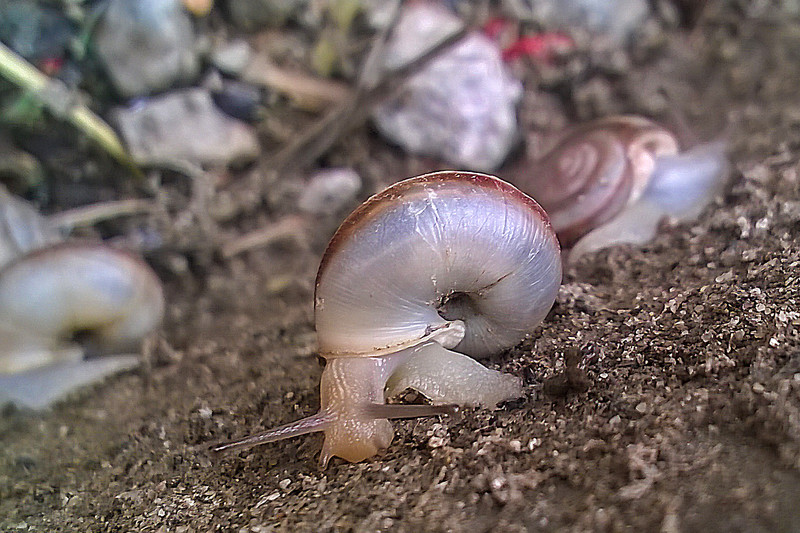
[329,190]
[185,126]
[462,105]
[146,45]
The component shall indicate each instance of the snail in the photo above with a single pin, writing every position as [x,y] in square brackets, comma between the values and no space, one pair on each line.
[430,271]
[612,180]
[54,294]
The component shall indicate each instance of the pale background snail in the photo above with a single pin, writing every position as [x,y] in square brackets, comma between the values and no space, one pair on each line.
[614,179]
[52,291]
[432,268]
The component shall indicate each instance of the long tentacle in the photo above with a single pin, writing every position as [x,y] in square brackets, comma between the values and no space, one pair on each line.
[316,422]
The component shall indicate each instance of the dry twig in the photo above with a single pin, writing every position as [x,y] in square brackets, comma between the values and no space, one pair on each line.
[91,214]
[290,227]
[355,110]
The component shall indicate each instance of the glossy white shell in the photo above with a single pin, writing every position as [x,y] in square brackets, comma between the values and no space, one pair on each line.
[476,250]
[49,294]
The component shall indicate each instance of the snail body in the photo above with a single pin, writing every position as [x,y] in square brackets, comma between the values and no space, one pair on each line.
[423,275]
[612,180]
[52,294]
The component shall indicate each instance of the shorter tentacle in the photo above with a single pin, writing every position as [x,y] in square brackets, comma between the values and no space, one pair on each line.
[393,411]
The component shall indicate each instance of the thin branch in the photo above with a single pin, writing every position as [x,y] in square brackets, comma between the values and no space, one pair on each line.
[291,227]
[307,91]
[92,214]
[55,95]
[355,110]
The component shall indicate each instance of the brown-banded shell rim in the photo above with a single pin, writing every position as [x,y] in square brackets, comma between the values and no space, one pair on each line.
[374,205]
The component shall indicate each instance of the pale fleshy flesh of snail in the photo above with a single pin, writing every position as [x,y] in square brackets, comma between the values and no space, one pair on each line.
[54,293]
[613,180]
[424,274]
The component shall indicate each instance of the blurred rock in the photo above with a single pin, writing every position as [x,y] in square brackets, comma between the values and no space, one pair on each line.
[253,15]
[330,190]
[791,7]
[185,126]
[232,57]
[33,31]
[146,45]
[461,106]
[378,13]
[619,19]
[239,100]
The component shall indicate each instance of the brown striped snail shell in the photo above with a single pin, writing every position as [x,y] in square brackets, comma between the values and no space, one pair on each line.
[613,179]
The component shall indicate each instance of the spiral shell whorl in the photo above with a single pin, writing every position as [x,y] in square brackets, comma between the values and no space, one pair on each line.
[593,171]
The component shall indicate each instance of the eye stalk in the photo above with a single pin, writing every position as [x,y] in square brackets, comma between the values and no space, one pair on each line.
[418,280]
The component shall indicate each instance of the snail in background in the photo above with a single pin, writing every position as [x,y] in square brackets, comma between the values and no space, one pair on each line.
[52,293]
[422,275]
[613,180]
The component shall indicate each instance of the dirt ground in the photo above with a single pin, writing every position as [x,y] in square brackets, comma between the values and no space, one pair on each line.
[690,345]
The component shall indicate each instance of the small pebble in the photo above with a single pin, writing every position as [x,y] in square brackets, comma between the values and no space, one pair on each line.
[330,190]
[232,57]
[185,126]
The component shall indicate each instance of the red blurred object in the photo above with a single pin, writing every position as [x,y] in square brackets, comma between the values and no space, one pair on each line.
[540,47]
[494,26]
[51,65]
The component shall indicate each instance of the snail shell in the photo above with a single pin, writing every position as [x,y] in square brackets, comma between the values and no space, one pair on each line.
[51,294]
[623,172]
[430,269]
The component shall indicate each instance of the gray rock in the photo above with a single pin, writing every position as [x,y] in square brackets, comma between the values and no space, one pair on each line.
[461,106]
[34,31]
[618,19]
[231,57]
[329,190]
[146,45]
[185,126]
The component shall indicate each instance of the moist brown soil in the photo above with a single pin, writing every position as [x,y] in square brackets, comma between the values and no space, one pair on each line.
[679,411]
